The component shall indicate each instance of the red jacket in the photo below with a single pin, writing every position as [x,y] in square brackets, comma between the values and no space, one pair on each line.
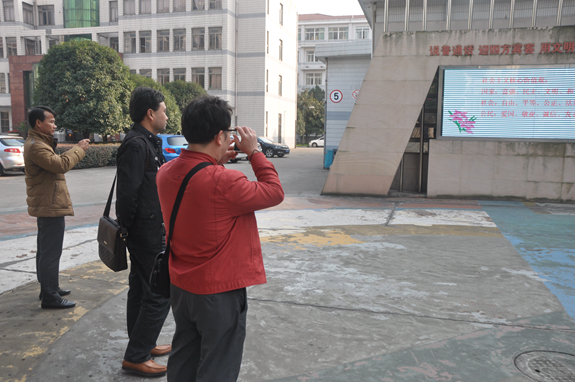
[216,245]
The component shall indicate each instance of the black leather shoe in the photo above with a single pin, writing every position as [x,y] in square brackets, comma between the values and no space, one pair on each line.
[61,303]
[61,292]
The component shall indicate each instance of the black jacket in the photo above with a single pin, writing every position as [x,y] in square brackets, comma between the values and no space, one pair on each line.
[137,203]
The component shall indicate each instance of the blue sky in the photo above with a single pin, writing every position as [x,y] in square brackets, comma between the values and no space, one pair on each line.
[329,7]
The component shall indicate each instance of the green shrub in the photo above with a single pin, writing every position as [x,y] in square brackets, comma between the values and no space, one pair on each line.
[96,155]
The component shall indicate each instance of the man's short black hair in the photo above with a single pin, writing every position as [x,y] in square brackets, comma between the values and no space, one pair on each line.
[205,117]
[142,100]
[37,113]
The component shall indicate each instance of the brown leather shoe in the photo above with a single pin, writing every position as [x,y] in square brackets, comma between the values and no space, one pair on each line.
[161,350]
[146,369]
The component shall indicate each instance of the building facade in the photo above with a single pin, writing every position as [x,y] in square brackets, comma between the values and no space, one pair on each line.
[464,99]
[318,30]
[244,52]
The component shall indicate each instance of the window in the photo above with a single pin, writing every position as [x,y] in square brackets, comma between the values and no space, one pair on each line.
[215,4]
[179,5]
[198,5]
[5,121]
[145,6]
[180,74]
[113,11]
[179,40]
[133,71]
[114,44]
[163,41]
[362,33]
[313,79]
[280,86]
[145,42]
[1,47]
[129,7]
[281,14]
[129,42]
[267,80]
[281,50]
[314,33]
[28,13]
[9,11]
[2,83]
[53,40]
[198,76]
[46,14]
[215,79]
[163,6]
[32,47]
[310,56]
[215,38]
[268,42]
[299,34]
[8,82]
[146,73]
[338,33]
[279,128]
[163,76]
[11,47]
[198,37]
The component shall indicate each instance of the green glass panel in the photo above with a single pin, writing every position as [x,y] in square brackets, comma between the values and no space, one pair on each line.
[78,37]
[81,13]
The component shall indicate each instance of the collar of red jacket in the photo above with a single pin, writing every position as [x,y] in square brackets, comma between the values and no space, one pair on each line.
[196,155]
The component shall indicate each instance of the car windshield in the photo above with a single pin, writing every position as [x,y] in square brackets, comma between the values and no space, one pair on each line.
[11,142]
[266,140]
[177,141]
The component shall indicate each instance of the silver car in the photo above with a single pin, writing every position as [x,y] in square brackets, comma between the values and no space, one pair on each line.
[11,153]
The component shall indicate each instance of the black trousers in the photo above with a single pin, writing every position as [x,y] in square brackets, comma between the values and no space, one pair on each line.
[146,311]
[209,340]
[48,253]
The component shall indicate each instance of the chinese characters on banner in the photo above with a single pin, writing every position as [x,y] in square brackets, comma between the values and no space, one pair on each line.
[485,50]
[509,103]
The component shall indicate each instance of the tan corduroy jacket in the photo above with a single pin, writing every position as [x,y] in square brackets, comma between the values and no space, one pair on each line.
[45,182]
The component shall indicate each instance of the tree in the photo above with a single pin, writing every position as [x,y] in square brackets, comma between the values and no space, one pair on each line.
[172,109]
[87,85]
[310,114]
[184,92]
[317,93]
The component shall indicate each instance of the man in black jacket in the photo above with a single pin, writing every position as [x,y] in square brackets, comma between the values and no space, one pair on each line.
[138,210]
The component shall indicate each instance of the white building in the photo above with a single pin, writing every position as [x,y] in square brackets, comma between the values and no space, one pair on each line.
[244,52]
[317,30]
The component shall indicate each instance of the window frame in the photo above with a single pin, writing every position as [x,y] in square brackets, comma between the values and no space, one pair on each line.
[133,42]
[179,40]
[163,40]
[201,44]
[338,33]
[197,76]
[11,46]
[145,7]
[178,73]
[165,6]
[145,41]
[213,77]
[318,34]
[27,13]
[215,36]
[129,7]
[161,74]
[48,11]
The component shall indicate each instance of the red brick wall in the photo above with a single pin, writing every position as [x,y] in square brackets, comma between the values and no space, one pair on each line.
[19,64]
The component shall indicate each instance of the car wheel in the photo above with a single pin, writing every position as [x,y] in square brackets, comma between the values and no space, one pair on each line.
[280,155]
[314,144]
[269,153]
[2,172]
[234,160]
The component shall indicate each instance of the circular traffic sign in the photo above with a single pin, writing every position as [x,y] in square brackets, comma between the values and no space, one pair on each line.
[355,94]
[336,96]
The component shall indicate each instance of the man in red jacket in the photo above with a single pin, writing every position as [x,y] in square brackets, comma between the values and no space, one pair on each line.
[215,249]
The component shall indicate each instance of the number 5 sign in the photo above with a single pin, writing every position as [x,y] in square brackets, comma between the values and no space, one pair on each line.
[336,96]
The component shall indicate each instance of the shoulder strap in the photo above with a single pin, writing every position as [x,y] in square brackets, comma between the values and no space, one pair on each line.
[109,203]
[179,199]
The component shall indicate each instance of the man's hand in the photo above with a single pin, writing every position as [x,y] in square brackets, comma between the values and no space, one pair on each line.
[84,143]
[230,154]
[249,140]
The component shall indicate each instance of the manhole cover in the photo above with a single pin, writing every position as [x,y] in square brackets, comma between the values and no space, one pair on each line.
[547,366]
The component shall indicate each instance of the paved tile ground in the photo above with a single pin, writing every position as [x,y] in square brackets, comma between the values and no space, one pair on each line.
[359,289]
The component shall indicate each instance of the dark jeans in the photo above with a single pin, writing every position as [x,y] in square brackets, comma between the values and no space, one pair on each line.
[48,253]
[209,340]
[146,311]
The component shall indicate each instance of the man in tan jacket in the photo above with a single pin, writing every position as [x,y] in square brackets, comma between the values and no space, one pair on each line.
[48,200]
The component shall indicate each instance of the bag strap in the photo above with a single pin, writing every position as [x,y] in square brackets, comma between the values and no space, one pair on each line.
[179,200]
[109,203]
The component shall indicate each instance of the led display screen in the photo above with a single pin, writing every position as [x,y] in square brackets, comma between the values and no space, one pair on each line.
[526,103]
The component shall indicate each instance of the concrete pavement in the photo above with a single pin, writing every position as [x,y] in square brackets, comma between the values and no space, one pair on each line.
[359,289]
